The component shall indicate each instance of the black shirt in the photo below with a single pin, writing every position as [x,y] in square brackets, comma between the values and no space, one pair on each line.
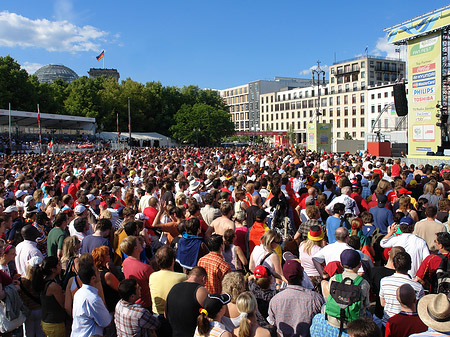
[183,309]
[377,274]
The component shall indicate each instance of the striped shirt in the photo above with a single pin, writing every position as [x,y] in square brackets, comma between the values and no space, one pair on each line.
[388,291]
[217,329]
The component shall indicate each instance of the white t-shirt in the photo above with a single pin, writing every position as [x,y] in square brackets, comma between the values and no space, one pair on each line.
[416,247]
[306,260]
[331,253]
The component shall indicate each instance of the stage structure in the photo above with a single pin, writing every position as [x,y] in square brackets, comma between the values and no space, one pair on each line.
[427,38]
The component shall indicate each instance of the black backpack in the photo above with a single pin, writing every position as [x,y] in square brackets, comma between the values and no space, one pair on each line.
[443,276]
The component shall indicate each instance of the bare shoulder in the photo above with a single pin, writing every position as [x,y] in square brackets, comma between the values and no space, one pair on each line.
[261,332]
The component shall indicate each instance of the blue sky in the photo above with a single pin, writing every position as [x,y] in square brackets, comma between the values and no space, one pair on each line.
[212,44]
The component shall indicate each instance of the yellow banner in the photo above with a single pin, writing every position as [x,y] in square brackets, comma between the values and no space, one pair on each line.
[420,26]
[424,92]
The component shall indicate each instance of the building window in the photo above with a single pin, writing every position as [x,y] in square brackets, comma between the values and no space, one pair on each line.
[345,99]
[339,89]
[362,109]
[354,110]
[338,135]
[361,98]
[338,100]
[379,108]
[353,122]
[363,134]
[298,125]
[338,123]
[362,122]
[347,88]
[386,94]
[363,85]
[304,125]
[332,90]
[363,74]
[304,113]
[331,101]
[338,112]
[346,123]
[346,111]
[331,112]
[353,98]
[354,134]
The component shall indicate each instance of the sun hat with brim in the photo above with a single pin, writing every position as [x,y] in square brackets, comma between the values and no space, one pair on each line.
[434,311]
[213,303]
[316,233]
[193,185]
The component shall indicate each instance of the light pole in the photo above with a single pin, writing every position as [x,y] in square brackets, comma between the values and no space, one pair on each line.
[196,130]
[318,72]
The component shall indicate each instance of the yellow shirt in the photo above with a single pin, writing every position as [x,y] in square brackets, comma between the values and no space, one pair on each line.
[160,284]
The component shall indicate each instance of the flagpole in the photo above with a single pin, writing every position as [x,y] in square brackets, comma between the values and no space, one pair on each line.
[129,122]
[9,128]
[103,59]
[39,126]
[117,124]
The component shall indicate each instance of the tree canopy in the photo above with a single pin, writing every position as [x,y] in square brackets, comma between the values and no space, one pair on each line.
[154,107]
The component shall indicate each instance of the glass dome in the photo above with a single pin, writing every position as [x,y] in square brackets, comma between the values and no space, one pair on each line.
[52,72]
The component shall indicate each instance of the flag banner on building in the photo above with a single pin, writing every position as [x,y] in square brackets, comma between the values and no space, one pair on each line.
[102,55]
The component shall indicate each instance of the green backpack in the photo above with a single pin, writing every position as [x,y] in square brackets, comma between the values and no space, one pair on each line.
[344,300]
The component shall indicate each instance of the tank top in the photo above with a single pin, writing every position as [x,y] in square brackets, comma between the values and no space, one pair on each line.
[183,308]
[111,296]
[231,258]
[52,311]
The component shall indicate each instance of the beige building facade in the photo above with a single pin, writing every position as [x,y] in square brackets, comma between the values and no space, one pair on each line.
[343,101]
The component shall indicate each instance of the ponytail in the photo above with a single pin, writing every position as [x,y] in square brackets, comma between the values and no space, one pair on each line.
[244,327]
[43,271]
[203,323]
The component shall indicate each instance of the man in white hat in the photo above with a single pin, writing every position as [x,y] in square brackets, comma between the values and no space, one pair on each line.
[434,311]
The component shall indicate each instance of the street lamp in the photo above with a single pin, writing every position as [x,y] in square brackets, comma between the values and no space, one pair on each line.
[318,72]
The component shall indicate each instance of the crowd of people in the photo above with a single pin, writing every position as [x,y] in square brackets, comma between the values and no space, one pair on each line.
[225,242]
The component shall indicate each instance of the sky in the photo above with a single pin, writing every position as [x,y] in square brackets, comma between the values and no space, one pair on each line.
[209,43]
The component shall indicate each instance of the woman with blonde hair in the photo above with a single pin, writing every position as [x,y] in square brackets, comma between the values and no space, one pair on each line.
[52,208]
[71,246]
[264,254]
[248,327]
[38,196]
[233,284]
[404,207]
[307,249]
[428,193]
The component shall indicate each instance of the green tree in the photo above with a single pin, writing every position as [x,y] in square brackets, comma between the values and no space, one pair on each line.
[201,122]
[15,87]
[83,99]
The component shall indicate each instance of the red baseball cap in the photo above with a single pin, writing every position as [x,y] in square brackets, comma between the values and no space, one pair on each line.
[403,191]
[261,271]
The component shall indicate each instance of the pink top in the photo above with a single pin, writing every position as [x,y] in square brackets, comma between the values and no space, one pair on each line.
[306,260]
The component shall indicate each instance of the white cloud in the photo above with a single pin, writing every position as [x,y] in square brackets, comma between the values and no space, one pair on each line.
[305,72]
[64,10]
[19,31]
[384,48]
[31,67]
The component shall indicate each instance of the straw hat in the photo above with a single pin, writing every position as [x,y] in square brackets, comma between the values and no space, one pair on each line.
[434,311]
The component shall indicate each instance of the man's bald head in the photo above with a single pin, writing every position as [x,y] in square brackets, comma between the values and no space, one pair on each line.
[29,232]
[346,190]
[312,191]
[341,234]
[406,295]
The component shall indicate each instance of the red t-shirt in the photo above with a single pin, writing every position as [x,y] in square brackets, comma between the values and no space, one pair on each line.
[428,267]
[404,324]
[5,279]
[140,271]
[151,213]
[395,171]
